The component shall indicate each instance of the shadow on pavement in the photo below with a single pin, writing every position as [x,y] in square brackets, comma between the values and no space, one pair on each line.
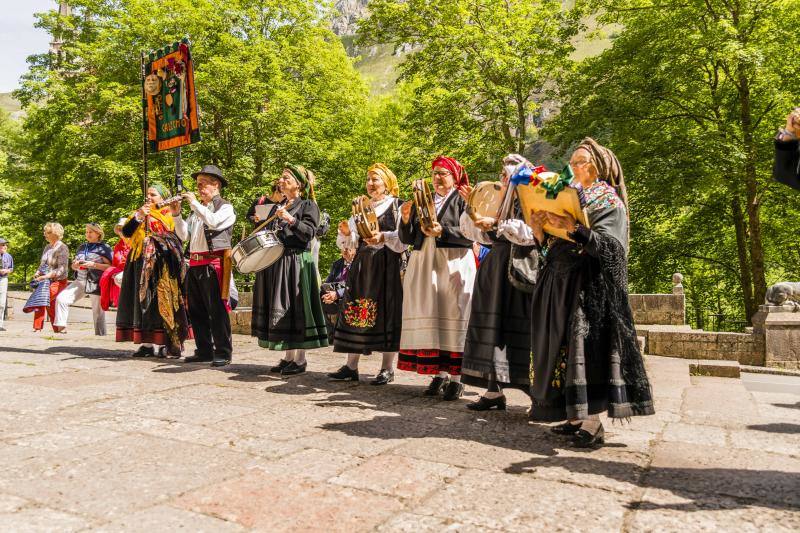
[777,428]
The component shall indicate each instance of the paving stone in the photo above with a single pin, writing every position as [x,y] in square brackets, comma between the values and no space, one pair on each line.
[414,523]
[166,518]
[499,501]
[11,504]
[691,468]
[419,477]
[41,519]
[65,438]
[170,408]
[694,434]
[317,465]
[112,478]
[267,502]
[663,510]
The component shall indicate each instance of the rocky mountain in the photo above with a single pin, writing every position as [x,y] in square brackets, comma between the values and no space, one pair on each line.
[349,12]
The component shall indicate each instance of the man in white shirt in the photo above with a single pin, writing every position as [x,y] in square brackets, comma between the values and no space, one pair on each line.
[208,230]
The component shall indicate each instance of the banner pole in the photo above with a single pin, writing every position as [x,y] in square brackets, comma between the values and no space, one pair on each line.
[143,178]
[178,171]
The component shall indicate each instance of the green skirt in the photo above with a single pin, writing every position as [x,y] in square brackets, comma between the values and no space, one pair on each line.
[287,310]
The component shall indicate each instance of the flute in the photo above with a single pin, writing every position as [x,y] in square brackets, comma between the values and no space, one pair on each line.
[171,199]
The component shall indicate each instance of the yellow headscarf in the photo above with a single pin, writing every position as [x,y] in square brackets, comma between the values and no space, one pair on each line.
[137,239]
[388,177]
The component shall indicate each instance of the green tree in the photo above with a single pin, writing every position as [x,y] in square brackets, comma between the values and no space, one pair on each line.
[274,85]
[689,95]
[481,71]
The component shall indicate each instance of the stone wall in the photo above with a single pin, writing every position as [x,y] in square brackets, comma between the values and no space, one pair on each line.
[779,329]
[662,309]
[746,348]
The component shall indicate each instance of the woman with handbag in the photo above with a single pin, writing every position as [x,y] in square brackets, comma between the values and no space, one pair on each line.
[497,352]
[50,278]
[370,317]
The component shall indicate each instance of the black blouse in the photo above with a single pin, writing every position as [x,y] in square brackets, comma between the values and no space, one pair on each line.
[787,163]
[448,217]
[298,236]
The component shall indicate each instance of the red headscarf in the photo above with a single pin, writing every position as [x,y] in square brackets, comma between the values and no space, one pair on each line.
[460,176]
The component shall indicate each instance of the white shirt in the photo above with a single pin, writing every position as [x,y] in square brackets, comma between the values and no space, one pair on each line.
[391,238]
[203,215]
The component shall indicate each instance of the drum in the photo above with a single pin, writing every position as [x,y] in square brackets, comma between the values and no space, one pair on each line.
[257,252]
[485,200]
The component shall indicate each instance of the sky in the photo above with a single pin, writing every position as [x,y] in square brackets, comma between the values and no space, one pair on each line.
[19,39]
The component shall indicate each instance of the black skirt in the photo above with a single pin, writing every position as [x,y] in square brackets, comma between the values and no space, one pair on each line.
[498,339]
[138,325]
[371,316]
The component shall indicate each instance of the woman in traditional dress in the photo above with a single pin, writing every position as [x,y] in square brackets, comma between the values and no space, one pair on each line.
[437,285]
[50,278]
[152,309]
[287,312]
[586,358]
[370,318]
[497,353]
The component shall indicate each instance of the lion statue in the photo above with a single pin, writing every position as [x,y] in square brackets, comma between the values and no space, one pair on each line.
[786,292]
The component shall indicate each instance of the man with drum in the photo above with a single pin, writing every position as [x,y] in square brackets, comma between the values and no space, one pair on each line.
[209,230]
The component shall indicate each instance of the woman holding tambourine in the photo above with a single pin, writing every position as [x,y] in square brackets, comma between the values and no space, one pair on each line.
[497,353]
[437,286]
[370,317]
[287,313]
[586,358]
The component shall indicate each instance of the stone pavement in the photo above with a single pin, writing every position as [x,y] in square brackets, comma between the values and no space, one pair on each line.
[91,439]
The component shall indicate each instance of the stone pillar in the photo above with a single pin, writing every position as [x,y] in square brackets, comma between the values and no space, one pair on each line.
[776,329]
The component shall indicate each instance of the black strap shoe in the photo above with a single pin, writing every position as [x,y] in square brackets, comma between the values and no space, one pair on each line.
[584,439]
[453,391]
[277,369]
[144,351]
[484,404]
[384,377]
[218,361]
[436,386]
[344,374]
[293,369]
[566,428]
[198,358]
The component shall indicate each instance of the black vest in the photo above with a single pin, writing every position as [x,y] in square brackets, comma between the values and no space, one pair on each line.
[218,239]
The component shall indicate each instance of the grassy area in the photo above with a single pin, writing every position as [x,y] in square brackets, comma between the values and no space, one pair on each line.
[8,104]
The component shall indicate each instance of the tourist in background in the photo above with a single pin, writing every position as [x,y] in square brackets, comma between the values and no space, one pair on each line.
[111,280]
[91,260]
[332,289]
[6,267]
[50,278]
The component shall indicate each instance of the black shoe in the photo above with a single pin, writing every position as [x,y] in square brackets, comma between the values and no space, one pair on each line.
[453,391]
[484,404]
[344,374]
[144,352]
[293,369]
[165,352]
[197,358]
[436,386]
[584,439]
[384,376]
[277,369]
[566,428]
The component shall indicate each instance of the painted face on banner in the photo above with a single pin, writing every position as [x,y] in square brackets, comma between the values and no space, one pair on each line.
[152,85]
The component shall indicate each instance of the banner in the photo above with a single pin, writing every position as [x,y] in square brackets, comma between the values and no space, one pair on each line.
[171,118]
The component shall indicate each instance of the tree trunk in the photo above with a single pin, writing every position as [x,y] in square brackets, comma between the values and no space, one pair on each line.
[745,275]
[751,189]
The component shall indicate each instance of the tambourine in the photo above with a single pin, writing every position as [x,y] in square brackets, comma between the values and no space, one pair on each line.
[365,218]
[485,200]
[423,201]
